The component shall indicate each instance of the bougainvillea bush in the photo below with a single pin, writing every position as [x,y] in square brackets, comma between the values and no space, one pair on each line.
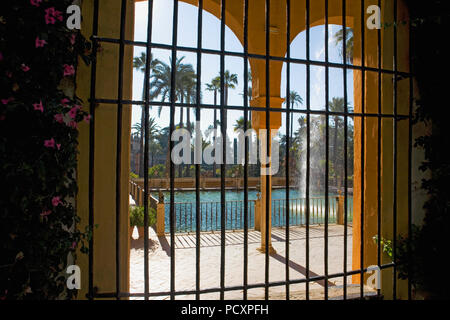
[39,121]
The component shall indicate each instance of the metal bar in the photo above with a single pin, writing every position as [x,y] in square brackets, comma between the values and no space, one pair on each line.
[410,148]
[363,100]
[379,125]
[268,145]
[146,146]
[394,242]
[92,152]
[251,55]
[344,55]
[234,288]
[241,108]
[308,141]
[172,168]
[222,166]
[327,151]
[119,142]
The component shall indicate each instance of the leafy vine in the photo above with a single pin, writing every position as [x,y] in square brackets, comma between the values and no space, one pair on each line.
[39,119]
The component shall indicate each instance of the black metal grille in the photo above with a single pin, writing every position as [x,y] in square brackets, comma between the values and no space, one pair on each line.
[308,112]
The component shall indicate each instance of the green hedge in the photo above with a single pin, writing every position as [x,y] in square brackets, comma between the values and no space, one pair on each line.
[137,216]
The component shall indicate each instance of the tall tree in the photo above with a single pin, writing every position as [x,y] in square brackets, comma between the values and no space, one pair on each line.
[239,125]
[339,40]
[230,81]
[139,63]
[161,83]
[294,99]
[336,105]
[214,86]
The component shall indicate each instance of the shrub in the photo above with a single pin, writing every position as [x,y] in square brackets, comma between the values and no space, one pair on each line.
[137,216]
[133,175]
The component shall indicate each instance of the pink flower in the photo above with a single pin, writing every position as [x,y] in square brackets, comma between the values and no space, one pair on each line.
[25,68]
[45,213]
[35,2]
[58,15]
[68,70]
[58,146]
[4,295]
[87,118]
[74,245]
[51,14]
[38,106]
[73,112]
[49,143]
[65,101]
[6,101]
[73,37]
[9,74]
[40,43]
[56,201]
[73,124]
[49,20]
[59,118]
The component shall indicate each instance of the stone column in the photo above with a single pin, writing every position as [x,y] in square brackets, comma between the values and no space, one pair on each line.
[259,123]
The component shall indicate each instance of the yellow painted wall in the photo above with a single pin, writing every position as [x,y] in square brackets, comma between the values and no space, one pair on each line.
[105,149]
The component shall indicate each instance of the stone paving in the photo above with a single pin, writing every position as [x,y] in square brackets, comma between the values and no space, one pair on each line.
[185,262]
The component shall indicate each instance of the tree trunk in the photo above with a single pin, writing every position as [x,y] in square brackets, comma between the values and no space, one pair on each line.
[141,144]
[336,175]
[180,166]
[188,125]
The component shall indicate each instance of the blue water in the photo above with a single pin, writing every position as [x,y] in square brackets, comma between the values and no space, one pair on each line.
[210,209]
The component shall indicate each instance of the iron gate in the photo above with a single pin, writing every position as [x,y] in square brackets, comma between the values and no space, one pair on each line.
[397,75]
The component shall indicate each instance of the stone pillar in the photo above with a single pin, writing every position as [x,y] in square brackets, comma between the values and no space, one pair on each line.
[259,123]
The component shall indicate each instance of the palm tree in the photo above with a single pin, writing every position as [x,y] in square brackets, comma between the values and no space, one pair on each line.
[161,81]
[336,105]
[249,92]
[239,125]
[230,81]
[339,39]
[214,86]
[294,100]
[139,63]
[184,78]
[191,97]
[152,130]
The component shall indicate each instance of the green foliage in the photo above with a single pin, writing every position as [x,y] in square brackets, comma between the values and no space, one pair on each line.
[133,175]
[157,171]
[38,153]
[386,245]
[137,216]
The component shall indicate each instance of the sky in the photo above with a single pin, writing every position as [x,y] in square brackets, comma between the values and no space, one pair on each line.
[187,36]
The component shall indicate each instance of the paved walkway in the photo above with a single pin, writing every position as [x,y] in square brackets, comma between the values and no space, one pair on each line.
[185,262]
